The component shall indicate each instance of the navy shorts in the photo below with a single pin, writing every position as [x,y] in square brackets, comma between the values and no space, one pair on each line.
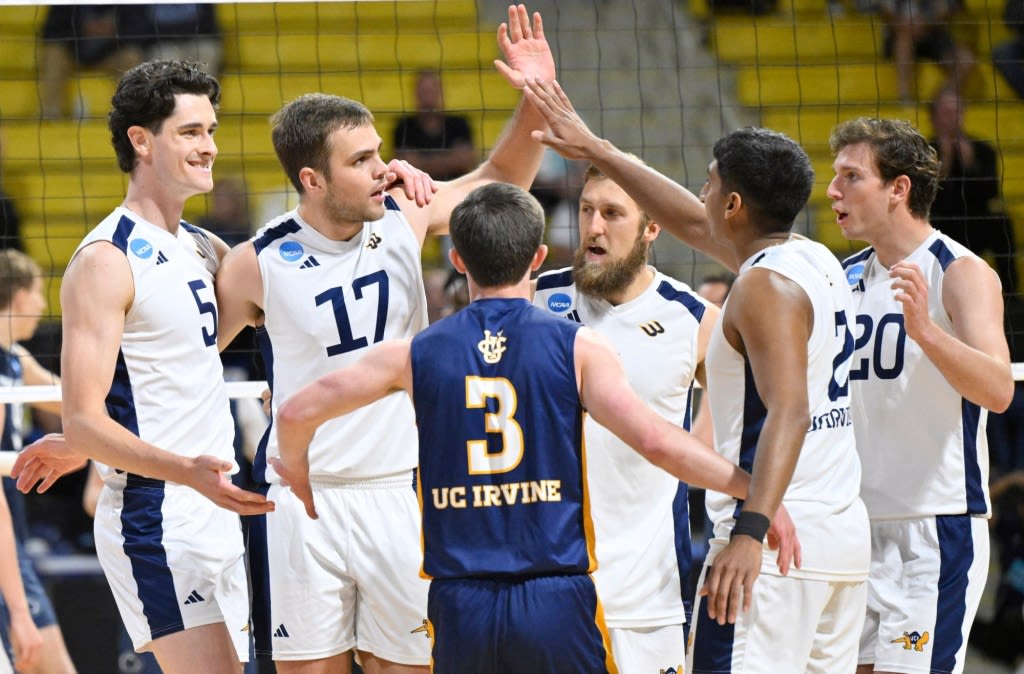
[540,625]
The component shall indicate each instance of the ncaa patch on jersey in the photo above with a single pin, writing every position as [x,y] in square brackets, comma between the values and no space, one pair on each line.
[559,303]
[142,248]
[855,273]
[291,251]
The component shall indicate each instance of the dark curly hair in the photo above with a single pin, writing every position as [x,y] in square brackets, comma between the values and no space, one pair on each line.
[145,97]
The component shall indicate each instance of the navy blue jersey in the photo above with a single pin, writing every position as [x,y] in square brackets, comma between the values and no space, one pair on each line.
[501,454]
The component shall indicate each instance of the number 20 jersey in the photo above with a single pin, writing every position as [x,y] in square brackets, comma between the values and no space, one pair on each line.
[325,303]
[923,446]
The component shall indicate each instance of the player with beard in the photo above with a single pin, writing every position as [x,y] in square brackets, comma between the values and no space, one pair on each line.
[660,328]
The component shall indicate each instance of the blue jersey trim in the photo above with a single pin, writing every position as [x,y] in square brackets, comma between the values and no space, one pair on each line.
[956,554]
[562,279]
[142,529]
[266,347]
[120,399]
[192,229]
[942,253]
[124,229]
[274,233]
[859,257]
[390,204]
[973,487]
[688,300]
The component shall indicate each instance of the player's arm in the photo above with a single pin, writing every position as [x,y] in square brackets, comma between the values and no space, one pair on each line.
[674,207]
[34,374]
[385,367]
[769,318]
[703,428]
[96,293]
[515,158]
[975,360]
[239,285]
[25,638]
[611,401]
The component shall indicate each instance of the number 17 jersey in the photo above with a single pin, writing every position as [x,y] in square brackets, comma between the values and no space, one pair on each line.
[325,303]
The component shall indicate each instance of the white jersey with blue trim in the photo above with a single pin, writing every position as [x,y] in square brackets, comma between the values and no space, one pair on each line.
[923,446]
[325,303]
[168,385]
[822,497]
[637,519]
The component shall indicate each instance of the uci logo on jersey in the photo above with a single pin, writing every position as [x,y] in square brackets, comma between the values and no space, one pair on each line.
[142,248]
[291,251]
[854,274]
[559,302]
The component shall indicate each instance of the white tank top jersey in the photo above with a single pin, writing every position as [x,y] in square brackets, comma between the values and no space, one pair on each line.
[822,495]
[325,303]
[923,446]
[168,385]
[655,335]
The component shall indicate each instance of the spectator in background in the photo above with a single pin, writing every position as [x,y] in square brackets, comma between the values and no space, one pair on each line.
[1008,57]
[921,29]
[10,224]
[557,187]
[108,37]
[227,213]
[433,141]
[968,206]
[185,32]
[22,304]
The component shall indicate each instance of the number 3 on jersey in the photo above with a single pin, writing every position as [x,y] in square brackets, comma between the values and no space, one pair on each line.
[498,419]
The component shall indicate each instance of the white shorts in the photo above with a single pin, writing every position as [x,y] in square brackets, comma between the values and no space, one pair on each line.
[794,625]
[350,579]
[5,664]
[173,561]
[927,577]
[642,650]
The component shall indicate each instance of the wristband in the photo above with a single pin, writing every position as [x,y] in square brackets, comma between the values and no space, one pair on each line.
[751,524]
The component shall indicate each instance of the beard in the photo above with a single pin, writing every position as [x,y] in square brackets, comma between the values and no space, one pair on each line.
[608,279]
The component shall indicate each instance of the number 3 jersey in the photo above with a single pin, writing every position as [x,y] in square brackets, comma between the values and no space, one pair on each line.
[822,495]
[502,464]
[922,445]
[325,302]
[168,386]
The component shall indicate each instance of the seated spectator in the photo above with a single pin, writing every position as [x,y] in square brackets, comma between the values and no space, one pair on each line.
[432,140]
[227,213]
[185,32]
[968,206]
[921,29]
[1008,57]
[85,36]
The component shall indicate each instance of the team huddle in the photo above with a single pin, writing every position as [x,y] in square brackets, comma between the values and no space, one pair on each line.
[505,490]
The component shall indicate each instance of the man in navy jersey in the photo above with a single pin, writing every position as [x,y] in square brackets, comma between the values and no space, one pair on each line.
[500,390]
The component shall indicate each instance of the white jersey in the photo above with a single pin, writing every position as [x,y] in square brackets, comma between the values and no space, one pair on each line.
[639,511]
[168,386]
[922,445]
[822,495]
[325,303]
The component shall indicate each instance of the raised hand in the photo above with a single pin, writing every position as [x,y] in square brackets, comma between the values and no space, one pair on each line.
[44,462]
[912,292]
[417,185]
[567,133]
[525,48]
[209,477]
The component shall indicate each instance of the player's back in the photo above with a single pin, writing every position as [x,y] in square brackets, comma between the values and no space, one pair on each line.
[501,481]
